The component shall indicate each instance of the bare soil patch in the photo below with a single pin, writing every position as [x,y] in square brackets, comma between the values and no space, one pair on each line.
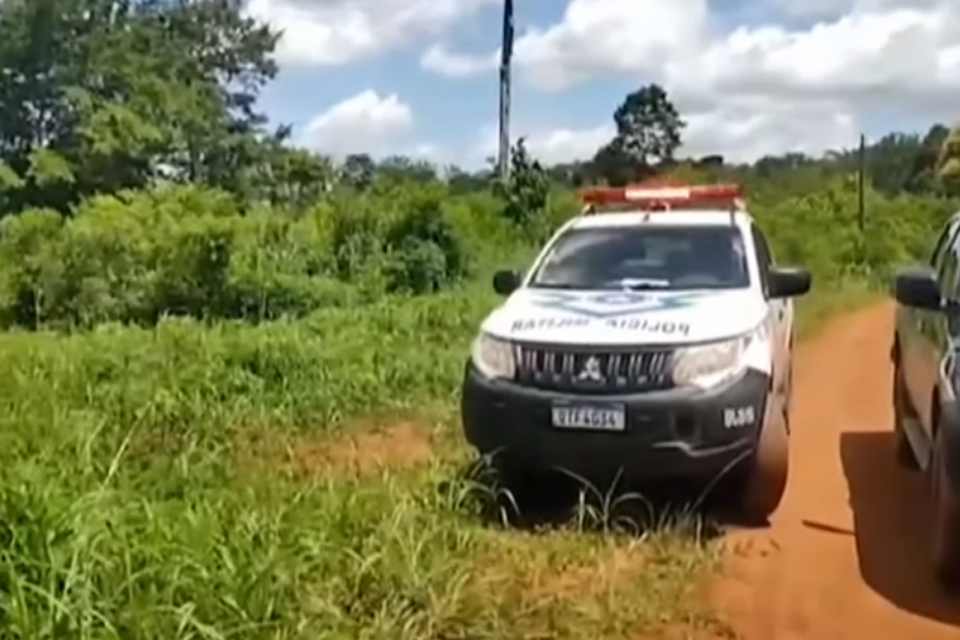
[355,450]
[846,554]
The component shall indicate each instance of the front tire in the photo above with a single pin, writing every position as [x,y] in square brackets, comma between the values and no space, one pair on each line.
[522,489]
[902,449]
[946,521]
[765,480]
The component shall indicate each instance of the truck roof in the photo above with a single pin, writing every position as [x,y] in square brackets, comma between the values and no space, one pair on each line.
[656,203]
[706,217]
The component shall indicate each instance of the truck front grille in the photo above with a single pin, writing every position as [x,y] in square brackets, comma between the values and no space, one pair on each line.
[592,370]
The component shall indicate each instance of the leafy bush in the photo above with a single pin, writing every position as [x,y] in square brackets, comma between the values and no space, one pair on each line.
[427,253]
[130,502]
[820,231]
[526,190]
[138,256]
[29,264]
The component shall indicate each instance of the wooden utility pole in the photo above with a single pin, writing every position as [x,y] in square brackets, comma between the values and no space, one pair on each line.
[505,57]
[861,207]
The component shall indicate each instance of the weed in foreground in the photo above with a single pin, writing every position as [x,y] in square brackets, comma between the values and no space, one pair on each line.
[566,500]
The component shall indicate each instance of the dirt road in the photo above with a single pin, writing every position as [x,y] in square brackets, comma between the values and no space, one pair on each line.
[846,554]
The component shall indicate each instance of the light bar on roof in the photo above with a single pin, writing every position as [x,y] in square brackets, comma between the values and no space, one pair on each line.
[668,197]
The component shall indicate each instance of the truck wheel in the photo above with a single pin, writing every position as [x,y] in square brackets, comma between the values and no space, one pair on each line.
[765,480]
[528,488]
[902,448]
[946,521]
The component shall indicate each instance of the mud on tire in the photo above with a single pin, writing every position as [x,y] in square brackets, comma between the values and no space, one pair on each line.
[521,489]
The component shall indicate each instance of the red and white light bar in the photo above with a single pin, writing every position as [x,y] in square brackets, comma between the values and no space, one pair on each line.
[668,197]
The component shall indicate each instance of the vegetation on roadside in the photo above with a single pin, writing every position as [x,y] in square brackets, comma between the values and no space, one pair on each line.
[195,312]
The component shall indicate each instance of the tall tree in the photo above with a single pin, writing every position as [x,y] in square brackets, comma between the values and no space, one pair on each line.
[526,189]
[648,126]
[648,134]
[359,171]
[924,174]
[948,163]
[122,91]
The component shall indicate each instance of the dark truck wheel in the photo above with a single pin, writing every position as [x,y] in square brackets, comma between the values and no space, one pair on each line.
[946,520]
[521,489]
[765,479]
[902,448]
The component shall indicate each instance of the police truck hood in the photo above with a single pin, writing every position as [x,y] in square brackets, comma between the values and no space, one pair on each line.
[554,316]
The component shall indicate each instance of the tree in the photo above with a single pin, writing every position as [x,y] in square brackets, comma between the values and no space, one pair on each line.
[526,189]
[614,165]
[648,134]
[399,168]
[648,126]
[121,92]
[924,175]
[292,177]
[460,181]
[358,171]
[948,162]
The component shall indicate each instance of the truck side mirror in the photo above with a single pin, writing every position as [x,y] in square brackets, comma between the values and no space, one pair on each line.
[506,282]
[789,283]
[918,288]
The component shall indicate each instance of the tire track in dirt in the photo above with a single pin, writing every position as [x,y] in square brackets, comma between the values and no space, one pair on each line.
[846,554]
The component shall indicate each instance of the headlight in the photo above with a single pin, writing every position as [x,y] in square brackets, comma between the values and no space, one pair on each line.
[493,357]
[713,364]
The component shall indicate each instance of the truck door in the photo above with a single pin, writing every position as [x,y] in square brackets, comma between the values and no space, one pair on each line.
[925,333]
[778,311]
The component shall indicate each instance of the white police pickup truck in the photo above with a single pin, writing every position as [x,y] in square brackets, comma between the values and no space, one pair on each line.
[651,338]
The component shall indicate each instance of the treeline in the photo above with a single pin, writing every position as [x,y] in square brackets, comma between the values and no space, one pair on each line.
[100,96]
[138,180]
[137,256]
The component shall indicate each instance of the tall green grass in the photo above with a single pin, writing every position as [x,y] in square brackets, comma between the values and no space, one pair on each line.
[134,504]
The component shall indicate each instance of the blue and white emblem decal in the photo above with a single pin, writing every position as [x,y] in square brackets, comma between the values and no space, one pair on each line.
[612,304]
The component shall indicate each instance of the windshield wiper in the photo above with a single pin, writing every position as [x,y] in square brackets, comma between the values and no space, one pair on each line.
[638,284]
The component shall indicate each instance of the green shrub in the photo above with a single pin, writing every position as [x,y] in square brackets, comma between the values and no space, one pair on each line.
[30,265]
[426,251]
[138,256]
[185,250]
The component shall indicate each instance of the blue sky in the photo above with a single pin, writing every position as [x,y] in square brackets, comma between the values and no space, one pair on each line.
[763,76]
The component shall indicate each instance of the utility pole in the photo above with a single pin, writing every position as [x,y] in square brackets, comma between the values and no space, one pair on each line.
[861,208]
[505,57]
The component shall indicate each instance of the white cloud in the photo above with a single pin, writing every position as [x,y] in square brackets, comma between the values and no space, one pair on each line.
[565,145]
[602,37]
[746,130]
[594,37]
[549,146]
[457,65]
[832,9]
[336,32]
[425,150]
[861,55]
[770,90]
[758,89]
[365,123]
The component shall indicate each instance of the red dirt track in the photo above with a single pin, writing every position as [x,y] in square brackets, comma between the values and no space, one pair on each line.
[846,554]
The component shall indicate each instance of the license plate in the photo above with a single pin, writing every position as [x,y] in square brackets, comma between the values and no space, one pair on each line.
[609,418]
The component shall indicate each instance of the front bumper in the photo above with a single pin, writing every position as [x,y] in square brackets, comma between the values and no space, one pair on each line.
[675,434]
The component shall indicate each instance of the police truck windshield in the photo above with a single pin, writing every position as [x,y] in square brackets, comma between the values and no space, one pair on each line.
[636,258]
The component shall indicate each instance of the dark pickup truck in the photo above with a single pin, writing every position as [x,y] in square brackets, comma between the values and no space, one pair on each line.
[927,421]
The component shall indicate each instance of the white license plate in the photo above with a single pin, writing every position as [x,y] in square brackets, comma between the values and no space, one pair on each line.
[585,417]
